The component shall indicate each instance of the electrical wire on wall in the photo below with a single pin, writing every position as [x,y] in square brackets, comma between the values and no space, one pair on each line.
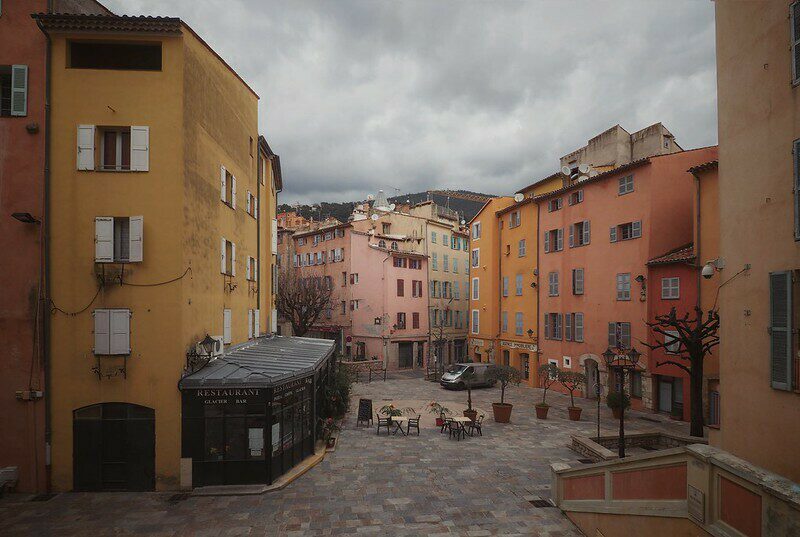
[185,272]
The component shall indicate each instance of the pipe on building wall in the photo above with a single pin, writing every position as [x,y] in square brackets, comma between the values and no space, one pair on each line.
[538,291]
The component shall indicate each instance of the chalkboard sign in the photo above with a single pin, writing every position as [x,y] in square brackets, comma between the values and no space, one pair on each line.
[364,411]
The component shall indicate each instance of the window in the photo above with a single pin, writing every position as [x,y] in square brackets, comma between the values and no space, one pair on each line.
[456,290]
[353,278]
[627,231]
[300,240]
[465,245]
[514,219]
[228,188]
[575,197]
[415,264]
[446,262]
[504,322]
[554,240]
[521,248]
[567,361]
[122,148]
[475,288]
[401,321]
[13,90]
[524,359]
[228,258]
[251,270]
[579,234]
[344,307]
[415,319]
[624,286]
[636,384]
[434,261]
[577,281]
[476,231]
[433,237]
[670,288]
[339,233]
[782,338]
[226,327]
[626,185]
[577,327]
[401,287]
[354,305]
[394,246]
[796,151]
[552,280]
[476,258]
[455,266]
[381,243]
[552,326]
[112,331]
[385,227]
[455,242]
[713,408]
[554,205]
[672,343]
[117,56]
[518,284]
[475,322]
[400,262]
[505,285]
[794,22]
[253,322]
[118,239]
[619,335]
[518,323]
[445,239]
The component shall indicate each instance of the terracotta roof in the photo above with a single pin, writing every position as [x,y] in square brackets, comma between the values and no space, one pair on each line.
[682,254]
[63,22]
[710,165]
[598,177]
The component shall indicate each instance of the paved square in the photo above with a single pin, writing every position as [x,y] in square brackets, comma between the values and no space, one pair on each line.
[418,485]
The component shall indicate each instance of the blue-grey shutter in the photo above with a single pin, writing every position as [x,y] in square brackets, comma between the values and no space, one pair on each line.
[587,234]
[578,327]
[546,241]
[560,239]
[568,326]
[796,152]
[559,318]
[613,233]
[780,329]
[547,326]
[612,335]
[625,335]
[636,229]
[572,235]
[794,17]
[19,90]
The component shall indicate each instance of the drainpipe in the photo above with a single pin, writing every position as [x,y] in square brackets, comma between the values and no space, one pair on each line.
[259,265]
[46,240]
[500,274]
[698,258]
[535,375]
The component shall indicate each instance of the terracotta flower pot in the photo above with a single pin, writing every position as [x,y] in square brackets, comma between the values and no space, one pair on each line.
[502,412]
[471,414]
[575,413]
[541,411]
[617,412]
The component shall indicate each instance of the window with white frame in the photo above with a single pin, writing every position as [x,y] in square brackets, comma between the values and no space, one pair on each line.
[475,321]
[518,323]
[518,284]
[112,331]
[476,230]
[227,331]
[252,269]
[13,90]
[627,231]
[514,219]
[552,280]
[579,234]
[576,197]
[552,325]
[252,205]
[433,237]
[577,281]
[624,286]
[228,253]
[554,205]
[671,288]
[672,343]
[113,148]
[475,288]
[567,361]
[504,322]
[625,185]
[476,257]
[553,240]
[619,335]
[505,285]
[521,248]
[228,188]
[118,239]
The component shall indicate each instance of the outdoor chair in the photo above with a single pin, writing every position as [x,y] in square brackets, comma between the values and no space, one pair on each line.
[446,424]
[384,422]
[455,430]
[413,423]
[476,426]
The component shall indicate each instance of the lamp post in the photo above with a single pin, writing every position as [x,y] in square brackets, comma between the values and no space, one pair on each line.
[194,358]
[623,360]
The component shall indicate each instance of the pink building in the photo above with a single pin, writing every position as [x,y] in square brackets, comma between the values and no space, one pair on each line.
[597,236]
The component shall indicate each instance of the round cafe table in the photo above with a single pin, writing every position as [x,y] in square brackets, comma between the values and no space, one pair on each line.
[399,421]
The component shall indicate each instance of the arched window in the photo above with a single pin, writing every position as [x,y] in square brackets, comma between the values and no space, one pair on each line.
[394,246]
[381,244]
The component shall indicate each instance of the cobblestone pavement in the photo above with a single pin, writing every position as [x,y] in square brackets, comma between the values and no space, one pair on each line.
[417,485]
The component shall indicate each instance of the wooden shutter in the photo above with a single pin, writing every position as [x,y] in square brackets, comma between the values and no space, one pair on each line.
[104,239]
[249,204]
[572,235]
[568,326]
[135,238]
[578,327]
[559,318]
[101,331]
[400,288]
[233,191]
[274,321]
[140,149]
[249,324]
[587,234]
[625,335]
[546,241]
[780,329]
[547,326]
[19,90]
[248,274]
[796,151]
[255,209]
[120,338]
[224,184]
[85,158]
[613,233]
[224,265]
[612,335]
[560,239]
[256,322]
[636,229]
[233,259]
[794,21]
[226,326]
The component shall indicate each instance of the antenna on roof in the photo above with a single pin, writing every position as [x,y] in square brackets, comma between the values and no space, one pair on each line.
[566,170]
[519,196]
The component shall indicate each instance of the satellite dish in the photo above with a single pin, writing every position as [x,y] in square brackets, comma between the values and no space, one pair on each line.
[374,216]
[583,178]
[392,206]
[370,197]
[584,168]
[519,196]
[463,222]
[566,170]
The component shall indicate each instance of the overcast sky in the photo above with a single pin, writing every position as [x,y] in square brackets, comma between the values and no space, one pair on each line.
[429,94]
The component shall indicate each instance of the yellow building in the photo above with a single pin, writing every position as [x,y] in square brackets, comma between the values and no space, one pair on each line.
[160,220]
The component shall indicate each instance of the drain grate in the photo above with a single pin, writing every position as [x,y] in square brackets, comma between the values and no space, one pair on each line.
[43,497]
[586,461]
[540,503]
[175,498]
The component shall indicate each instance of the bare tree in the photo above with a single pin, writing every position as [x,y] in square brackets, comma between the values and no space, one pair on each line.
[303,299]
[690,339]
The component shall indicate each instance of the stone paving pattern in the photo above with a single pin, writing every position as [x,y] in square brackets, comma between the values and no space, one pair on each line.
[425,485]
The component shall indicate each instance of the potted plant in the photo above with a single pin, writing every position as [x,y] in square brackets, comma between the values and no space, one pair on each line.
[548,375]
[469,377]
[572,380]
[329,426]
[391,410]
[615,401]
[440,411]
[505,375]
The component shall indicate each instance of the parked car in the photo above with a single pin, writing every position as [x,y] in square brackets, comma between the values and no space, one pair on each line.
[456,374]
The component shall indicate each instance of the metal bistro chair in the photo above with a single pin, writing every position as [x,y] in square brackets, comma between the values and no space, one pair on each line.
[384,422]
[446,424]
[413,423]
[456,429]
[476,426]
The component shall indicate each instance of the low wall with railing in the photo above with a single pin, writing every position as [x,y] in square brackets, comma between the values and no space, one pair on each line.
[604,448]
[690,490]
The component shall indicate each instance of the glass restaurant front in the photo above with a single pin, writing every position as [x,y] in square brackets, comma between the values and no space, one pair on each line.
[257,431]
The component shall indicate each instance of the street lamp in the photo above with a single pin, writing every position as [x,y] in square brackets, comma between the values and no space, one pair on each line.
[623,360]
[195,359]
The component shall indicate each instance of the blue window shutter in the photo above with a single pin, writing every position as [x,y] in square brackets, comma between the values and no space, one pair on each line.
[568,326]
[19,90]
[546,241]
[572,235]
[636,229]
[613,233]
[587,234]
[780,330]
[547,326]
[612,334]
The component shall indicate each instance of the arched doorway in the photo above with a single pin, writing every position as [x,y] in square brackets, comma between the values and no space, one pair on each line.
[591,371]
[114,447]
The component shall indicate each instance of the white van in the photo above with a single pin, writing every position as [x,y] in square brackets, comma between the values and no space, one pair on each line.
[456,375]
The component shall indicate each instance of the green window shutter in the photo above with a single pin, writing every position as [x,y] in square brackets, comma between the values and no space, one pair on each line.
[19,90]
[780,329]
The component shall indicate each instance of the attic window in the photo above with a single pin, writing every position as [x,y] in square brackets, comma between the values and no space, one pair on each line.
[117,56]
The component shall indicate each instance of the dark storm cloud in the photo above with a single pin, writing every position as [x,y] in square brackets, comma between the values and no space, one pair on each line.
[486,96]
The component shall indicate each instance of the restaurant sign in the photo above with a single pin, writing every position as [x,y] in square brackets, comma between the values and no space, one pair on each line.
[515,345]
[476,342]
[223,396]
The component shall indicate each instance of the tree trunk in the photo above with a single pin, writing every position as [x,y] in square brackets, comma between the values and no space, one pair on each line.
[696,396]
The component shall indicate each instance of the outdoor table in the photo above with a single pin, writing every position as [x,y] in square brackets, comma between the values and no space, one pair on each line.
[462,421]
[399,421]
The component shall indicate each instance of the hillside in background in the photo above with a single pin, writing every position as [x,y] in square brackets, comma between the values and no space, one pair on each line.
[466,203]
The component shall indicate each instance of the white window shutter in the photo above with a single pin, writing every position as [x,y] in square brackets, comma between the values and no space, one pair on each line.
[256,323]
[546,241]
[233,191]
[85,158]
[222,179]
[247,268]
[249,324]
[255,203]
[140,149]
[226,326]
[224,257]
[571,235]
[104,239]
[249,204]
[274,319]
[613,233]
[19,90]
[274,235]
[587,233]
[136,236]
[120,338]
[255,276]
[233,259]
[101,332]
